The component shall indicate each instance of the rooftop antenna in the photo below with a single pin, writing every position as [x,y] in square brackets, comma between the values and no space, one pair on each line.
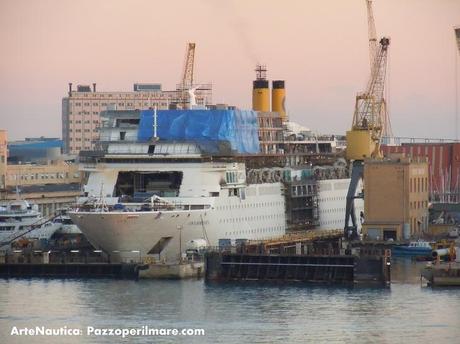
[261,72]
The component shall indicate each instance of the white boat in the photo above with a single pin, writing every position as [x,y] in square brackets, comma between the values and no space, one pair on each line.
[22,219]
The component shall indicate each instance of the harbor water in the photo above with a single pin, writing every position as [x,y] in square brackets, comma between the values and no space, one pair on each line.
[234,313]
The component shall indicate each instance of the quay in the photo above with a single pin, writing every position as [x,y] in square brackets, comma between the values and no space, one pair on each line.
[69,270]
[59,264]
[442,274]
[320,256]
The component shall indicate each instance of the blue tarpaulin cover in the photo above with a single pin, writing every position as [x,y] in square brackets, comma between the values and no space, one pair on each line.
[237,127]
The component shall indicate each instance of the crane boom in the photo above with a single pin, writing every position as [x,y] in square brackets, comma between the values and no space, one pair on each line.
[187,76]
[372,33]
[186,82]
[373,51]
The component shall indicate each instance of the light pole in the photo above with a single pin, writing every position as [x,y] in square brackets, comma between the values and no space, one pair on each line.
[179,227]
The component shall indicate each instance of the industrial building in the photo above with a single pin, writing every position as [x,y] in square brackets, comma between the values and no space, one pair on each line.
[53,185]
[395,198]
[36,171]
[443,166]
[34,150]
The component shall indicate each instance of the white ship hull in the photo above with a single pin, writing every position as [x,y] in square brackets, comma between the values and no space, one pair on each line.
[332,199]
[132,235]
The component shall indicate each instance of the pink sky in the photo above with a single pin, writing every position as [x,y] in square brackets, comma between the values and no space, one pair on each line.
[319,47]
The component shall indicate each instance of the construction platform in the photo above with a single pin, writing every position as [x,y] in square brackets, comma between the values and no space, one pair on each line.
[311,257]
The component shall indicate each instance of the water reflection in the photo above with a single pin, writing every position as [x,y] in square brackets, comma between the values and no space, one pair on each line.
[238,312]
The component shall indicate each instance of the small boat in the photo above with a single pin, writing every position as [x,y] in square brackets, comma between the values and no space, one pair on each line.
[415,248]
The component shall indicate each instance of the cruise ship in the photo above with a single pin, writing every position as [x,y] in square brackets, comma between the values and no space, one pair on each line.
[159,181]
[147,198]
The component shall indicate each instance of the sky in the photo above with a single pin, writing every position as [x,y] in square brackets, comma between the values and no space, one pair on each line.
[320,48]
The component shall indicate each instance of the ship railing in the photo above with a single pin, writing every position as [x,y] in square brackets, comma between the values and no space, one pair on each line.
[154,206]
[262,249]
[13,212]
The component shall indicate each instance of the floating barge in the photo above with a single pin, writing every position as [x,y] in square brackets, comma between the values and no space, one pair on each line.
[312,257]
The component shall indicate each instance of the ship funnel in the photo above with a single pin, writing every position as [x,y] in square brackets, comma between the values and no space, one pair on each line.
[279,98]
[260,90]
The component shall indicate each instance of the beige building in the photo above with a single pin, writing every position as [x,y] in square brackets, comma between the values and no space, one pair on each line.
[3,158]
[395,198]
[81,109]
[51,186]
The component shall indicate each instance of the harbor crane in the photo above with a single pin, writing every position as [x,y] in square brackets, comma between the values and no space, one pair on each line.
[369,121]
[187,75]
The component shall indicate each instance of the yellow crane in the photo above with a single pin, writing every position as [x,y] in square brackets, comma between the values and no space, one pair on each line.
[186,83]
[369,121]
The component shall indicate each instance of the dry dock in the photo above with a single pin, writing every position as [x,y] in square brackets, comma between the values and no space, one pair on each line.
[315,257]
